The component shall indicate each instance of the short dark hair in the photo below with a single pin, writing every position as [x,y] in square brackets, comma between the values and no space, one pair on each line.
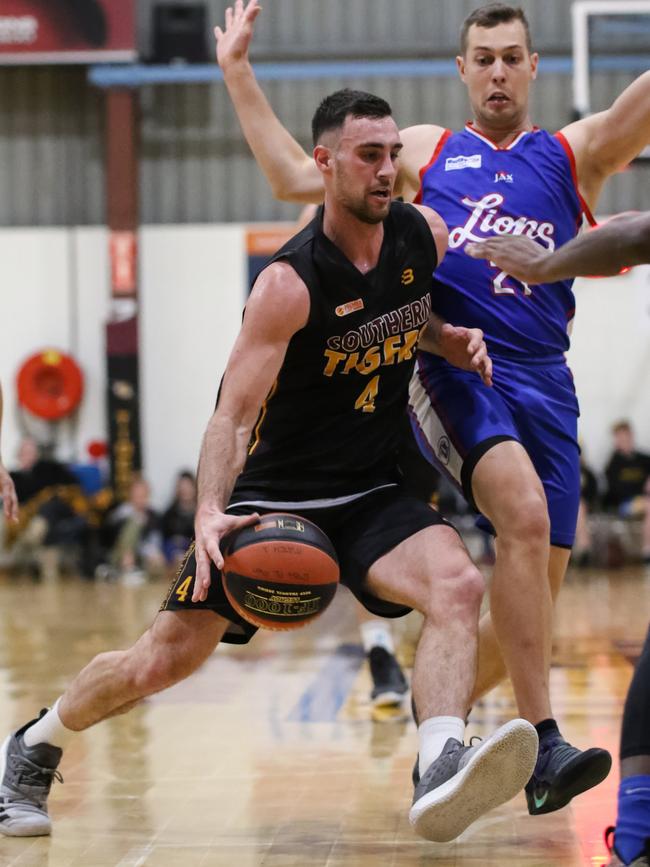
[623,424]
[336,107]
[491,15]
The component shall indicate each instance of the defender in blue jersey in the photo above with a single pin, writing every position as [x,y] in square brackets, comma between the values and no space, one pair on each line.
[513,449]
[527,188]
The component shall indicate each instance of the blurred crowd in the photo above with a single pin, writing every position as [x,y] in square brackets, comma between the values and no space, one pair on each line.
[623,496]
[69,521]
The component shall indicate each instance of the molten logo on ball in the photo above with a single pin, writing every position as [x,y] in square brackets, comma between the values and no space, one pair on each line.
[280,573]
[281,607]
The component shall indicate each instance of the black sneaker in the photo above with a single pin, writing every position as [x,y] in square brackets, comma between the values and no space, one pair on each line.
[641,860]
[389,684]
[26,775]
[463,783]
[562,772]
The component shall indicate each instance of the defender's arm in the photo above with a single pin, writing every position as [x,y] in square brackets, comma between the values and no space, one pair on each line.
[606,142]
[624,240]
[292,174]
[290,171]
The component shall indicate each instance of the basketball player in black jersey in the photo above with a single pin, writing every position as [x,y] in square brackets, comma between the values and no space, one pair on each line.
[308,420]
[623,241]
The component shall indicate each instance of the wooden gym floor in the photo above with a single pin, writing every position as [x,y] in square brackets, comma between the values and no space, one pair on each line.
[269,755]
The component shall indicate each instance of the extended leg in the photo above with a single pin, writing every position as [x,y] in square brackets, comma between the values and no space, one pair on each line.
[432,572]
[508,491]
[491,667]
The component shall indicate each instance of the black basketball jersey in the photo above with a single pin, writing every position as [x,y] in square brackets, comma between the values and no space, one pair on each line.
[329,428]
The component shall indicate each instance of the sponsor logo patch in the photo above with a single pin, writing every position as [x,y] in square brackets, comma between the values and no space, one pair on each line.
[350,307]
[453,164]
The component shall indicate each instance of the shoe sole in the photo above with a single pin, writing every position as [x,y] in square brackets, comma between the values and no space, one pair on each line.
[494,775]
[585,772]
[44,829]
[389,698]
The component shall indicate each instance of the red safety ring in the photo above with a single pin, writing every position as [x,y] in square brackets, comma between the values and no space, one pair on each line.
[50,384]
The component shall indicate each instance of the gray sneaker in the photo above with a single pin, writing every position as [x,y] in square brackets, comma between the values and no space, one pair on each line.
[465,782]
[26,775]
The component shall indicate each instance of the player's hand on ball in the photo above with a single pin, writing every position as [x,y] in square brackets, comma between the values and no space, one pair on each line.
[211,525]
[520,257]
[233,42]
[465,348]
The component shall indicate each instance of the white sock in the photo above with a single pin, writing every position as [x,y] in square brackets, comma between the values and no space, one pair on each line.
[48,730]
[434,733]
[376,633]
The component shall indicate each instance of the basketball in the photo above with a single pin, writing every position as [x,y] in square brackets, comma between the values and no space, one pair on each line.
[280,573]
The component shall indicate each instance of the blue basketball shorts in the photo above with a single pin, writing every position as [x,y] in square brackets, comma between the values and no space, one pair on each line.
[457,419]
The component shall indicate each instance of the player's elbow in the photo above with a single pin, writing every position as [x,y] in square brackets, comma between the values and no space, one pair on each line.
[297,184]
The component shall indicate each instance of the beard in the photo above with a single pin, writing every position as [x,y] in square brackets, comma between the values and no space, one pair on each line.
[362,209]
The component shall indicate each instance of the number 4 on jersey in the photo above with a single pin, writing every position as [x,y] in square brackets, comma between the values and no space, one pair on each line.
[366,400]
[183,589]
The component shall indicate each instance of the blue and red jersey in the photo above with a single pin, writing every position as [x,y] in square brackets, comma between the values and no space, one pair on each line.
[527,188]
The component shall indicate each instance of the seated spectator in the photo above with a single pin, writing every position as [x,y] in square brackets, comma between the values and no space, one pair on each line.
[628,481]
[582,549]
[52,511]
[133,530]
[178,519]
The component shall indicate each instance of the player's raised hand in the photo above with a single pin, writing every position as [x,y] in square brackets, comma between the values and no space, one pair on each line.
[233,41]
[211,525]
[465,348]
[520,257]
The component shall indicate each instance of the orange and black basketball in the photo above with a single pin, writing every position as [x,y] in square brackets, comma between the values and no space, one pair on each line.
[280,573]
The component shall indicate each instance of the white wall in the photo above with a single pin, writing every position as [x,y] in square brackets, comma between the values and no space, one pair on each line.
[192,286]
[610,359]
[54,292]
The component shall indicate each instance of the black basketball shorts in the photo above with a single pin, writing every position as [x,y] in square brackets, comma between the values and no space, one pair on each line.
[361,531]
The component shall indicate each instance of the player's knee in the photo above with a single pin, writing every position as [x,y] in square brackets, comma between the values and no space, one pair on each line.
[156,664]
[459,591]
[161,670]
[470,586]
[527,521]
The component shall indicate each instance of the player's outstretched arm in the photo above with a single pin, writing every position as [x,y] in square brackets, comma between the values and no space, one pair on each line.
[278,307]
[290,171]
[7,489]
[623,241]
[607,141]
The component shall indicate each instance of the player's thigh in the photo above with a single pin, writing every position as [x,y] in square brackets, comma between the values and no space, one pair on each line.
[369,528]
[173,647]
[546,409]
[456,419]
[428,571]
[508,490]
